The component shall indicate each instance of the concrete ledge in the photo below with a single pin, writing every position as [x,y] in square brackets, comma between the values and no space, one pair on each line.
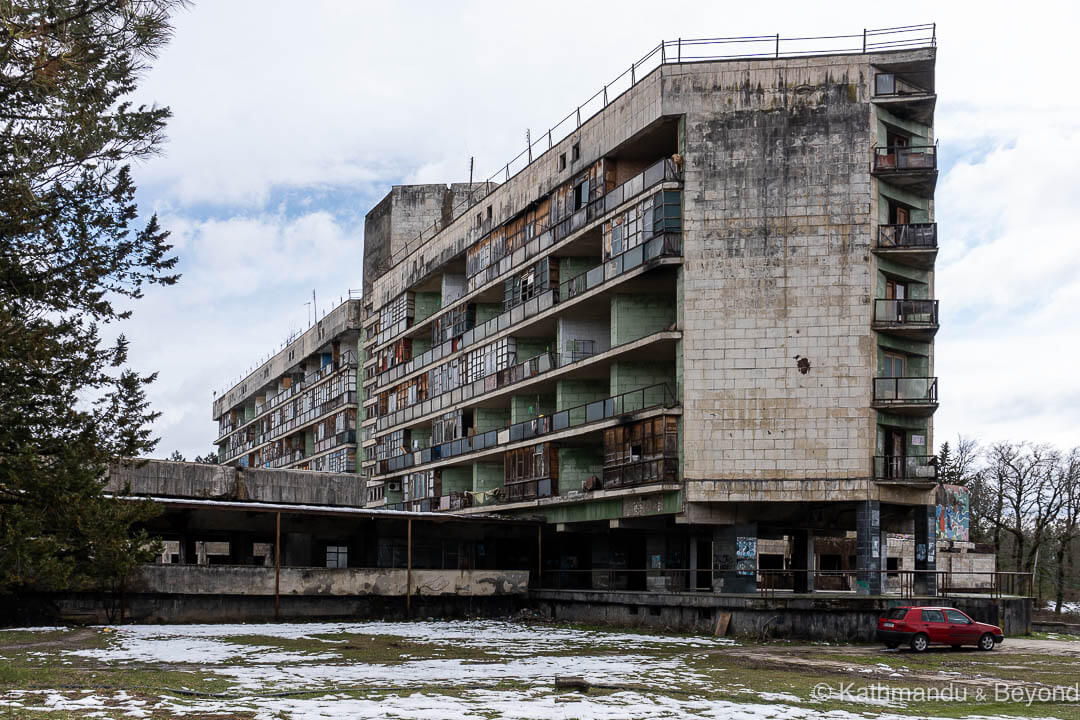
[166,478]
[816,616]
[247,580]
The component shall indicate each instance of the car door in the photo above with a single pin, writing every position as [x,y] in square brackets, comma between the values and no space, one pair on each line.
[962,630]
[936,627]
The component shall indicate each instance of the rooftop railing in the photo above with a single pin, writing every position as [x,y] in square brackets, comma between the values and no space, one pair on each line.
[906,37]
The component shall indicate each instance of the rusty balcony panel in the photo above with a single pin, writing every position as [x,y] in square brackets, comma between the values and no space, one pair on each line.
[906,469]
[910,167]
[913,319]
[906,395]
[913,244]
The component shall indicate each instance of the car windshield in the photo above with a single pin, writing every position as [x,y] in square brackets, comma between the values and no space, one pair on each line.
[896,614]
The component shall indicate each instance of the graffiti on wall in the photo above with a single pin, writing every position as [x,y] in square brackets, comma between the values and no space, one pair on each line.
[953,513]
[746,555]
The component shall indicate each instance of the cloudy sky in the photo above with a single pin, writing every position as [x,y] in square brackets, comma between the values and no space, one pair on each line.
[291,119]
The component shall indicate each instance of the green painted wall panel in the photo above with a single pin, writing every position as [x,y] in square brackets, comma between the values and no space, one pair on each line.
[485,419]
[576,464]
[425,305]
[635,316]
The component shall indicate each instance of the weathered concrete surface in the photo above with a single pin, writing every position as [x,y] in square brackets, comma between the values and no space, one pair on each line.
[308,581]
[805,616]
[89,608]
[165,478]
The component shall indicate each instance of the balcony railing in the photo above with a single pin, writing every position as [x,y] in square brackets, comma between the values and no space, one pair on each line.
[516,255]
[906,468]
[646,398]
[651,470]
[889,85]
[905,391]
[897,158]
[914,236]
[914,314]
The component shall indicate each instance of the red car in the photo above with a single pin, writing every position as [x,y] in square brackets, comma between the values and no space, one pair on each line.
[922,627]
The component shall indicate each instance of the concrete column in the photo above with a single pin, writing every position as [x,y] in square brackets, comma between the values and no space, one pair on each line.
[925,550]
[655,546]
[691,581]
[868,580]
[802,559]
[735,558]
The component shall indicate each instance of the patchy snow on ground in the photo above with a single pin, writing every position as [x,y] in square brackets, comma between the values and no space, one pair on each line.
[1066,607]
[34,629]
[515,680]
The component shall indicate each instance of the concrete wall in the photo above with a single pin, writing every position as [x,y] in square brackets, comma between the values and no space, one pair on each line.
[165,478]
[250,580]
[830,619]
[776,246]
[635,316]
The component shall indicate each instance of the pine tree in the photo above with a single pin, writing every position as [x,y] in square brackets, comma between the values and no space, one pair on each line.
[72,261]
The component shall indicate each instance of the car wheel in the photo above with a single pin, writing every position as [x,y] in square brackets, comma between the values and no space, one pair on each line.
[986,642]
[920,642]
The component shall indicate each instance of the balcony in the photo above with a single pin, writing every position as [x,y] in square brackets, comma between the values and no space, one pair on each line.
[911,167]
[912,319]
[915,470]
[914,244]
[634,401]
[903,98]
[906,395]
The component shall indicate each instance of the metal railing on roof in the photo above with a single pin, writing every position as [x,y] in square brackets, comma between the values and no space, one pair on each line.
[684,50]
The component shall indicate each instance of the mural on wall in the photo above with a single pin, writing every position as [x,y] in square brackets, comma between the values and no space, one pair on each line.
[746,555]
[953,513]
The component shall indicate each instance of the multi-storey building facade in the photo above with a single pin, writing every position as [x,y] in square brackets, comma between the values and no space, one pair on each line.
[705,317]
[298,410]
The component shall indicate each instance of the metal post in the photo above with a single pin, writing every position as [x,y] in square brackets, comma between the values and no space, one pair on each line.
[579,116]
[680,50]
[277,565]
[408,569]
[539,555]
[605,96]
[528,142]
[864,40]
[507,171]
[549,138]
[632,79]
[777,44]
[663,51]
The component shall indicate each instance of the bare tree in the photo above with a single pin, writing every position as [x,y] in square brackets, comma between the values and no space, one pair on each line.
[1067,526]
[1028,488]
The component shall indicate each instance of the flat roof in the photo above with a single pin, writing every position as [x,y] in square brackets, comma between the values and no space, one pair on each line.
[193,503]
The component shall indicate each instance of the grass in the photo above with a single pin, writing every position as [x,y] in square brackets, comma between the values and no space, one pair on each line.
[30,661]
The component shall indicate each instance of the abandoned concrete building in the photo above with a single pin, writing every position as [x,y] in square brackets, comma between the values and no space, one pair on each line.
[298,410]
[694,337]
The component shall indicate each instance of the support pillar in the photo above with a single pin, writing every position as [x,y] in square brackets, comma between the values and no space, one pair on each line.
[691,581]
[925,550]
[868,549]
[802,560]
[735,558]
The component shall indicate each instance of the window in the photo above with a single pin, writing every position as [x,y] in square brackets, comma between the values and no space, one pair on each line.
[337,556]
[897,614]
[957,618]
[932,616]
[893,366]
[488,212]
[562,161]
[895,290]
[581,194]
[884,84]
[575,152]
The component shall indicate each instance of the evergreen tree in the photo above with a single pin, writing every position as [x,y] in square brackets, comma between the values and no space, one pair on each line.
[71,262]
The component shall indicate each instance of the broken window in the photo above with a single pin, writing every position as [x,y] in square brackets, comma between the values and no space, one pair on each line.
[337,556]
